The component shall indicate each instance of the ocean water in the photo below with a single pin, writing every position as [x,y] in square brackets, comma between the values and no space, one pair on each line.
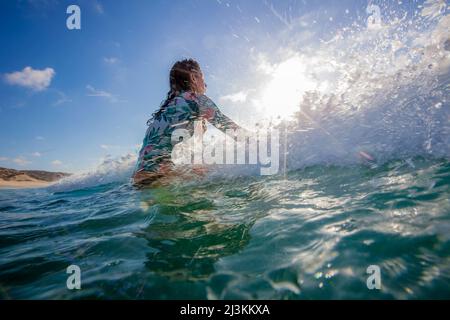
[311,234]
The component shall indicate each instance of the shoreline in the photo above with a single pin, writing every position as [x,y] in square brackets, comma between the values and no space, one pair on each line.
[28,179]
[4,185]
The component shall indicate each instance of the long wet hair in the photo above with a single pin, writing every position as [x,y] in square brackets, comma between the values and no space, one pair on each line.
[182,78]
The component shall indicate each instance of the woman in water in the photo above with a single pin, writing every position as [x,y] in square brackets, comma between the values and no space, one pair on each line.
[186,102]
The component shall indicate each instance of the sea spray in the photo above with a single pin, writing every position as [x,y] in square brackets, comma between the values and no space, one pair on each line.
[118,169]
[381,93]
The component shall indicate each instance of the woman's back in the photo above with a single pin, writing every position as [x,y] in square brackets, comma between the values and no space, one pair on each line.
[179,113]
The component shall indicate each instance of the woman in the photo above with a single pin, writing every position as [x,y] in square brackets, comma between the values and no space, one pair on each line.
[186,102]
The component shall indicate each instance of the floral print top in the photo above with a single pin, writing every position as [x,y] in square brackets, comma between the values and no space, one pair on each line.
[180,113]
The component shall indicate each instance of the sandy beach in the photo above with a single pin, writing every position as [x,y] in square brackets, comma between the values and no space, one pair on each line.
[23,184]
[24,179]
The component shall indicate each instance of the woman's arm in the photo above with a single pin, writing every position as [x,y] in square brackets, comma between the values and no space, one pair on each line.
[210,112]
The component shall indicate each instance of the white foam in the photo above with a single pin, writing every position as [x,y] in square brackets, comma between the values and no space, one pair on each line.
[111,170]
[366,94]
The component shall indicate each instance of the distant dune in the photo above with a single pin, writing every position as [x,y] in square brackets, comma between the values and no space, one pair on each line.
[10,178]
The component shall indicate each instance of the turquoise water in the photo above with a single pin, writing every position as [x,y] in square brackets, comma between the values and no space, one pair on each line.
[309,235]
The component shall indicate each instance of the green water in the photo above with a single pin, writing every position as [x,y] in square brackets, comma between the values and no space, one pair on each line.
[310,235]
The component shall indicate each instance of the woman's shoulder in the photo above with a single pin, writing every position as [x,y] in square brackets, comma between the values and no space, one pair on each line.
[195,97]
[197,103]
[205,101]
[188,96]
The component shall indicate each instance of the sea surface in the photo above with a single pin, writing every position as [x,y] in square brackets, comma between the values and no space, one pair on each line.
[311,234]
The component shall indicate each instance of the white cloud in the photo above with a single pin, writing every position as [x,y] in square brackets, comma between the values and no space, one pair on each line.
[235,97]
[56,163]
[111,60]
[62,98]
[30,78]
[3,159]
[98,7]
[21,161]
[100,93]
[39,138]
[110,147]
[36,154]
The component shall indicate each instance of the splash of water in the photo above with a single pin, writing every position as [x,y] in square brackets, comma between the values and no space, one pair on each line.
[377,89]
[111,170]
[389,98]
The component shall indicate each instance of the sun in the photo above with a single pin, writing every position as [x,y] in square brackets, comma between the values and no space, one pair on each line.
[282,95]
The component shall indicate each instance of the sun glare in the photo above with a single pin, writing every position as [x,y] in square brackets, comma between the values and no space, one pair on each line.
[288,82]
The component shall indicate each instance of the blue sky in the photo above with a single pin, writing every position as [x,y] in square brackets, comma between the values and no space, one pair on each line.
[88,93]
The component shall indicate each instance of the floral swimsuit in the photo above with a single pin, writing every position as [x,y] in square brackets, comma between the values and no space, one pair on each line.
[180,113]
